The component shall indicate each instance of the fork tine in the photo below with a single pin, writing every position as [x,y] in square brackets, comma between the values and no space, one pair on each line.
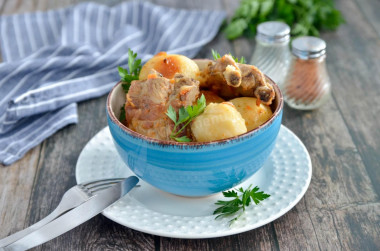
[97,189]
[100,185]
[100,182]
[95,186]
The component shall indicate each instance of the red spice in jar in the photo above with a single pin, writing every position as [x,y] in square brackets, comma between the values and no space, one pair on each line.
[307,84]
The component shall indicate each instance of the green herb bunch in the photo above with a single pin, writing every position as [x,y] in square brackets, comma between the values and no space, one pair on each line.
[305,17]
[241,199]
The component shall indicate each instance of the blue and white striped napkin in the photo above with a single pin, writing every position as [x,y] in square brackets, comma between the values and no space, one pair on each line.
[56,58]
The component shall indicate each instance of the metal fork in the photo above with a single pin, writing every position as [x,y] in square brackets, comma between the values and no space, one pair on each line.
[71,199]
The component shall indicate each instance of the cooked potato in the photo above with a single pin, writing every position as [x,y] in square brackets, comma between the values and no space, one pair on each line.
[218,121]
[211,97]
[168,65]
[253,114]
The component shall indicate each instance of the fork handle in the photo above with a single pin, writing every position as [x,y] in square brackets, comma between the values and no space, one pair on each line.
[18,235]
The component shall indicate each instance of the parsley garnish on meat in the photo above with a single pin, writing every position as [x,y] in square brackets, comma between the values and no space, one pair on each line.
[185,116]
[134,70]
[242,199]
[216,55]
[122,114]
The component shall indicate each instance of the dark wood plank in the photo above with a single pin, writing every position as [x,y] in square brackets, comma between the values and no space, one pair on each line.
[354,53]
[101,234]
[17,6]
[171,244]
[263,238]
[2,6]
[259,239]
[55,4]
[17,181]
[363,221]
[21,6]
[340,137]
[356,225]
[339,176]
[108,2]
[370,10]
[341,169]
[296,231]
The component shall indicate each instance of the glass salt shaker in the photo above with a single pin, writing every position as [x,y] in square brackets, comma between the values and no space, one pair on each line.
[272,55]
[307,85]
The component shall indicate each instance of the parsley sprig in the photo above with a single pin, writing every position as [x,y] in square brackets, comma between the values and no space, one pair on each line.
[216,55]
[134,70]
[242,199]
[185,116]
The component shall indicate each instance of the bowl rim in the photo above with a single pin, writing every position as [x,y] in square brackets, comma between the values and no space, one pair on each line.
[248,134]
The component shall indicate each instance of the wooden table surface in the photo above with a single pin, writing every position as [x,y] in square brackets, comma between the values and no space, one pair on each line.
[340,210]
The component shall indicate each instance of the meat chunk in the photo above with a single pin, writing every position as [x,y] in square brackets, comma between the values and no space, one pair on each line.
[185,93]
[254,84]
[232,75]
[146,106]
[226,70]
[148,101]
[230,79]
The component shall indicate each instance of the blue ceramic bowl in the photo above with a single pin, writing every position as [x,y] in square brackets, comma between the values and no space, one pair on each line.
[193,169]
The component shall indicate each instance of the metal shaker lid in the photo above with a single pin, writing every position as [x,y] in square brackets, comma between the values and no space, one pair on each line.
[273,32]
[308,47]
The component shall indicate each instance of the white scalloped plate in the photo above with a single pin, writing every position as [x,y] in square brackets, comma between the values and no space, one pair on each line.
[285,176]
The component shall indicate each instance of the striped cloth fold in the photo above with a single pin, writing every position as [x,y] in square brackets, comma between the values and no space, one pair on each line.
[54,59]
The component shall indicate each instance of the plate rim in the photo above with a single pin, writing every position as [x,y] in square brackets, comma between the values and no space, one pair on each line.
[230,231]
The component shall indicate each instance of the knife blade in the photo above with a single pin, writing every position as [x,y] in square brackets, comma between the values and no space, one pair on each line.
[76,216]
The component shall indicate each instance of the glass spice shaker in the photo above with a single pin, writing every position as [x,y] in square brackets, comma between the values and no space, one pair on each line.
[272,55]
[307,85]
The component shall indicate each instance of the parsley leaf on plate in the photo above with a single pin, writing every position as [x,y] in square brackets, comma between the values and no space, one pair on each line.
[242,199]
